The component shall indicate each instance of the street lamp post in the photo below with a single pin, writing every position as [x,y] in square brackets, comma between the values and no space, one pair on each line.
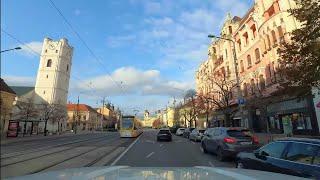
[16,48]
[240,97]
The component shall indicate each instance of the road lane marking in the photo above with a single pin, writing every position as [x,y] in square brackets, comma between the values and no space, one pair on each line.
[161,145]
[193,142]
[201,149]
[149,155]
[124,152]
[149,141]
[210,163]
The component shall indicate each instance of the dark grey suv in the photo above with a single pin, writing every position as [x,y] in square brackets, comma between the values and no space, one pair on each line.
[228,141]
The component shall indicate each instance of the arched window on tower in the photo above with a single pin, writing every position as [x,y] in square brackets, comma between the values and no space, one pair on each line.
[49,63]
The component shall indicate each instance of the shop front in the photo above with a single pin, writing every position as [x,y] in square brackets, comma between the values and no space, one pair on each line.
[292,117]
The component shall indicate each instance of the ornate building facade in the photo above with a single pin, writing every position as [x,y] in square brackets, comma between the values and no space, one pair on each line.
[257,37]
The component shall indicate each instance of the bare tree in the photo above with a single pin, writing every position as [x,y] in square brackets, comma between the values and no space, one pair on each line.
[60,114]
[205,106]
[221,95]
[48,111]
[190,110]
[26,112]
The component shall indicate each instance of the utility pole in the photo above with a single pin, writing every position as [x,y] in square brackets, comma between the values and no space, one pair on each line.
[102,111]
[78,118]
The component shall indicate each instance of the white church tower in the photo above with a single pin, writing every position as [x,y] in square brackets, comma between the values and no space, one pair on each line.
[54,71]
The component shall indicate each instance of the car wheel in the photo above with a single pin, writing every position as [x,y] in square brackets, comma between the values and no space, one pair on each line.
[239,165]
[204,149]
[220,154]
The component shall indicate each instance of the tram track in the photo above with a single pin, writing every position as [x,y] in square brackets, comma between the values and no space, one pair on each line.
[23,152]
[50,153]
[81,154]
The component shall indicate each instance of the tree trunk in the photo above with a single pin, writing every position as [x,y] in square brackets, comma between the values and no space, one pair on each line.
[45,127]
[207,119]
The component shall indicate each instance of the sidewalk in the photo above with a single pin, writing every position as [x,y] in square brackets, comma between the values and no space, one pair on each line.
[265,138]
[8,140]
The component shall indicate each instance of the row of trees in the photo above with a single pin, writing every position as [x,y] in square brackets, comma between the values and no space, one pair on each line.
[55,113]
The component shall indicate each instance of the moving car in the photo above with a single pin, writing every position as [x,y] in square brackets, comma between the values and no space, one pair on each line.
[126,172]
[187,132]
[196,134]
[294,156]
[164,134]
[228,141]
[180,131]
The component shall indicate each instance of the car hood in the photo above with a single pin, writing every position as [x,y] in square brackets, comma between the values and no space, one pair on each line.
[170,173]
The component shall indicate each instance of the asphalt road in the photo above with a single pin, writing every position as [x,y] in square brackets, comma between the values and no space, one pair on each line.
[101,149]
[147,152]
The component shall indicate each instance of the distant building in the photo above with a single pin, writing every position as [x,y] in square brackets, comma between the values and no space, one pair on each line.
[110,115]
[83,117]
[7,97]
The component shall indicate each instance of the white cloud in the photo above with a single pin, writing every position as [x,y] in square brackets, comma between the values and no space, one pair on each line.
[19,80]
[129,80]
[30,49]
[77,12]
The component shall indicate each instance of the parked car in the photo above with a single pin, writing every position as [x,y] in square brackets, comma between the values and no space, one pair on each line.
[228,141]
[196,134]
[293,156]
[180,131]
[164,134]
[187,132]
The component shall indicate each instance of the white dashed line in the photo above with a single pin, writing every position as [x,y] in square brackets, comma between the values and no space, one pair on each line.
[149,155]
[210,163]
[124,152]
[161,145]
[193,142]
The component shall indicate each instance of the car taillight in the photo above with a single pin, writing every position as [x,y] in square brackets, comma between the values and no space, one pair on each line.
[229,140]
[255,140]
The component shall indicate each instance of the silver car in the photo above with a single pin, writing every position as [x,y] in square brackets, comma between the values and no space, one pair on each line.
[196,134]
[180,131]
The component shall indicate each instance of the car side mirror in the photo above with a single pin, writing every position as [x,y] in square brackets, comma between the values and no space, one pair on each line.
[260,154]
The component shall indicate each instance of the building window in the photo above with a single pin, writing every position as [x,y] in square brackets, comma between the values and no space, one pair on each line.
[44,92]
[46,50]
[47,76]
[49,62]
[230,29]
[228,71]
[281,35]
[239,44]
[262,82]
[274,72]
[252,86]
[245,35]
[67,67]
[274,38]
[254,30]
[268,42]
[245,89]
[241,66]
[257,53]
[249,61]
[56,51]
[226,53]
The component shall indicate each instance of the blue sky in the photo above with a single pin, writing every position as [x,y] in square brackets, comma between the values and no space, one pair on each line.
[149,49]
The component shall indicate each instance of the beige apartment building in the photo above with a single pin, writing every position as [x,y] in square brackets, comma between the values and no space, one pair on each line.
[83,117]
[257,36]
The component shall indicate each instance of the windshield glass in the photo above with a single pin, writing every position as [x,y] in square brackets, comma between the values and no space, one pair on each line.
[159,83]
[127,123]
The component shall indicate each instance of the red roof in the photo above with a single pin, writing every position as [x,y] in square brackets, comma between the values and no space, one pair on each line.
[82,107]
